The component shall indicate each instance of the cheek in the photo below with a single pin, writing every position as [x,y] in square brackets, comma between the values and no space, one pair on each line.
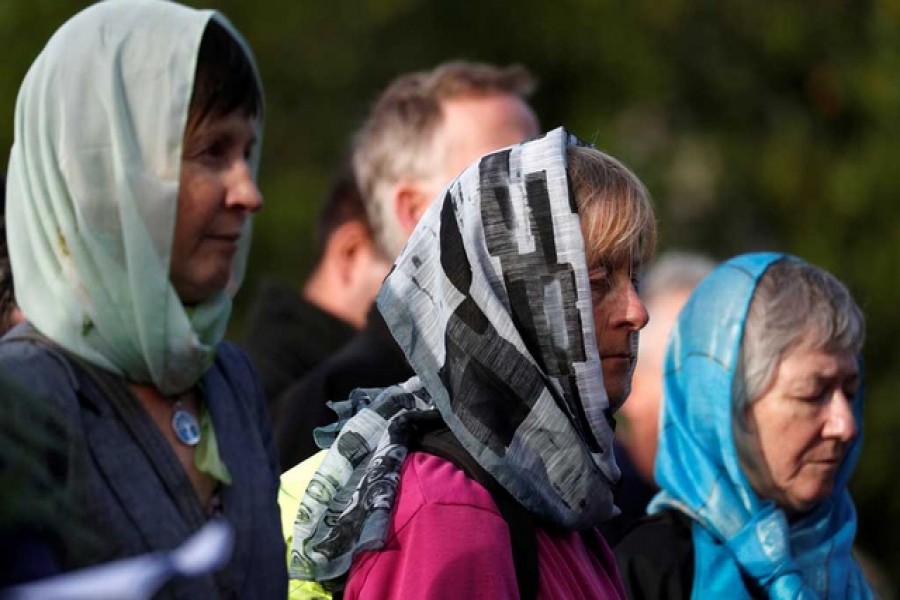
[774,442]
[601,318]
[196,208]
[785,445]
[184,223]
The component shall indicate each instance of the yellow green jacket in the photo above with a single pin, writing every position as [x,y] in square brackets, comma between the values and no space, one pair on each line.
[293,485]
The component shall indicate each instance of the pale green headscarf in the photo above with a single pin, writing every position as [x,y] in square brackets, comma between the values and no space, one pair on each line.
[92,192]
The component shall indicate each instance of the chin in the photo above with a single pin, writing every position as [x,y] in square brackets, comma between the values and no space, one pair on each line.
[616,398]
[809,501]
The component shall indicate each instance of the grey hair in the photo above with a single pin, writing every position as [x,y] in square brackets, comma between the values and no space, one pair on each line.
[674,271]
[795,304]
[393,143]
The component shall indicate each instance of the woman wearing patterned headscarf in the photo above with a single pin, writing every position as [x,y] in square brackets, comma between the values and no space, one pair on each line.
[759,435]
[130,187]
[515,303]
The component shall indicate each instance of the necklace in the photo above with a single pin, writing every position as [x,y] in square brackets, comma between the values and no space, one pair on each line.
[185,425]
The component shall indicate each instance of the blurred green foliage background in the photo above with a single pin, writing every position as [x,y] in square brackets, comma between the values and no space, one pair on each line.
[756,125]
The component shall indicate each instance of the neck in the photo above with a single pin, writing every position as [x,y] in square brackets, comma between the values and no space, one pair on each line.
[321,291]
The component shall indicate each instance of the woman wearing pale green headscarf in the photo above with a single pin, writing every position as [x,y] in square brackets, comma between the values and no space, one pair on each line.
[131,185]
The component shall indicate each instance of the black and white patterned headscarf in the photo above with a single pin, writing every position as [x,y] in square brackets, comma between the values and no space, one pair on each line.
[491,302]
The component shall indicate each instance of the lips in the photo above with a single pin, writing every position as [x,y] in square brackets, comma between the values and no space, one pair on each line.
[828,459]
[622,355]
[225,237]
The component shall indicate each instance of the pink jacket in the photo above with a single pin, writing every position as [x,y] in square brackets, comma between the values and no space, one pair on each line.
[447,539]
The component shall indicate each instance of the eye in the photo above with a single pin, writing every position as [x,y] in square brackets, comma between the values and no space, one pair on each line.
[600,282]
[212,153]
[248,150]
[816,398]
[636,282]
[216,150]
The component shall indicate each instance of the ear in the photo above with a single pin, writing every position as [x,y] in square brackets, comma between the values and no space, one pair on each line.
[411,198]
[346,245]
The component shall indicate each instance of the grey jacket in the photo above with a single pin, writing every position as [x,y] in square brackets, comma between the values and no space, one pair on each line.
[135,493]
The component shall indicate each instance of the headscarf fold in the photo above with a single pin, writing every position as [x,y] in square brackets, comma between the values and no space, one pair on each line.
[93,186]
[735,531]
[491,302]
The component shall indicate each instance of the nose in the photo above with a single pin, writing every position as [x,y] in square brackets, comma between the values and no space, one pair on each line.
[243,193]
[840,422]
[636,315]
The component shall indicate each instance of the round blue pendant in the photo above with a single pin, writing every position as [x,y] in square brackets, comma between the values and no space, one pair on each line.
[187,430]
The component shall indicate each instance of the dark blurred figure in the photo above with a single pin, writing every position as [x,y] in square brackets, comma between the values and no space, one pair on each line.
[422,131]
[39,531]
[665,288]
[10,314]
[292,330]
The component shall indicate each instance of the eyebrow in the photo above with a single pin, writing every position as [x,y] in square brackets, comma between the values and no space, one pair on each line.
[816,381]
[225,135]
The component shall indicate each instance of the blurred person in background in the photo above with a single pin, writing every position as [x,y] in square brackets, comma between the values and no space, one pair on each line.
[292,330]
[665,287]
[130,188]
[419,134]
[40,528]
[760,433]
[10,314]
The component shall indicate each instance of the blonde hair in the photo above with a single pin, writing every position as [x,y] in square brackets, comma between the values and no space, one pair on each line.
[617,218]
[394,142]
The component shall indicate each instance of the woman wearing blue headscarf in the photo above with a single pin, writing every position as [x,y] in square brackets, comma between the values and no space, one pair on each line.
[759,435]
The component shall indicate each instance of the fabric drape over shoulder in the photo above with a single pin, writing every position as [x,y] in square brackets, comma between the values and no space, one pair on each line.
[92,192]
[490,300]
[697,466]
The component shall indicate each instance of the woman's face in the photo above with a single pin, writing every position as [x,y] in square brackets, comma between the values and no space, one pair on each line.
[618,316]
[217,193]
[804,424]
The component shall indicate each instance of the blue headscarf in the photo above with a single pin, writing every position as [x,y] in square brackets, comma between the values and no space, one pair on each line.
[734,530]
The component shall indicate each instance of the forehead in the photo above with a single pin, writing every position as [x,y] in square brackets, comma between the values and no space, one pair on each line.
[476,125]
[235,124]
[809,362]
[624,263]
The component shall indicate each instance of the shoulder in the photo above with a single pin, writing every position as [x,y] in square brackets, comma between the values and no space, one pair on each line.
[656,557]
[367,360]
[445,539]
[229,354]
[38,367]
[649,533]
[370,359]
[234,393]
[292,486]
[235,367]
[432,480]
